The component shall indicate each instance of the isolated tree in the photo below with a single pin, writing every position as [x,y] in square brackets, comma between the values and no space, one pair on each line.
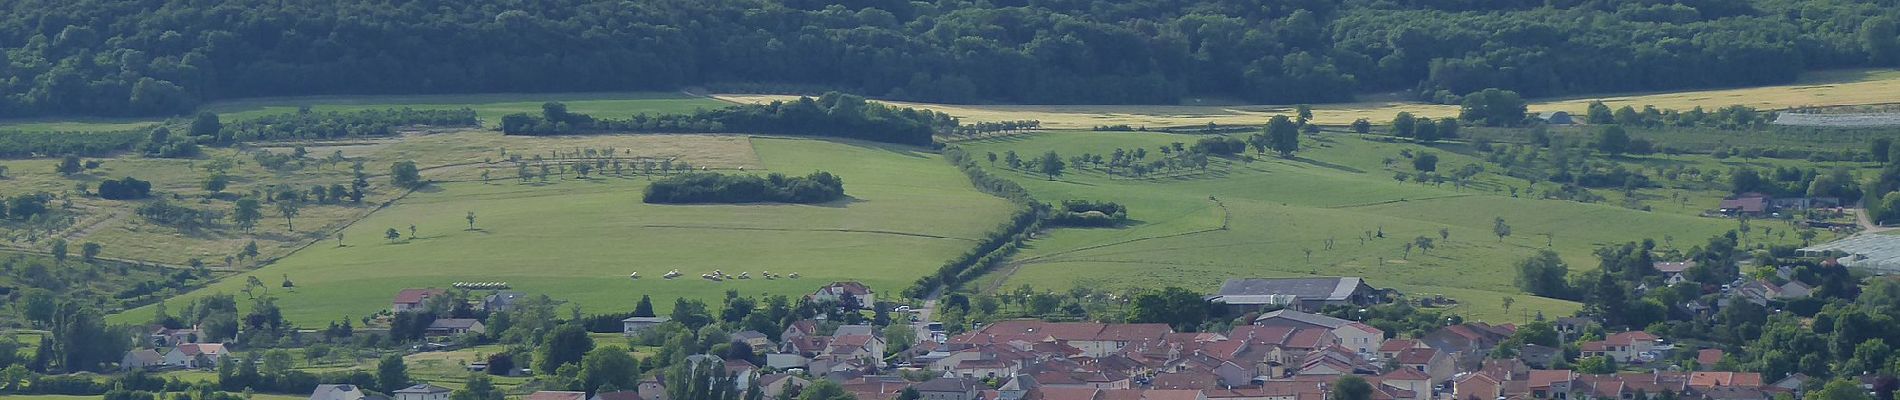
[1612,140]
[567,344]
[1361,126]
[89,252]
[216,183]
[412,231]
[1283,136]
[471,220]
[289,209]
[249,251]
[1304,113]
[1492,107]
[1499,228]
[1012,160]
[1425,162]
[1880,149]
[1507,301]
[1444,233]
[59,250]
[992,157]
[1597,113]
[247,213]
[1402,124]
[392,235]
[391,373]
[645,307]
[206,124]
[1424,131]
[404,174]
[609,366]
[1424,244]
[69,165]
[1050,165]
[1543,274]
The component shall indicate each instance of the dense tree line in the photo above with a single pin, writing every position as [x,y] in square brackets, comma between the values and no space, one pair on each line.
[833,114]
[999,243]
[307,125]
[114,58]
[27,144]
[708,187]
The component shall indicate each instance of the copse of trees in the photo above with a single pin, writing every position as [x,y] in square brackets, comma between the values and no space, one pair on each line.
[73,57]
[832,114]
[306,124]
[127,188]
[708,187]
[1089,213]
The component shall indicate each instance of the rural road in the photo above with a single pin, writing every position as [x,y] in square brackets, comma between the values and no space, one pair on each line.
[1867,224]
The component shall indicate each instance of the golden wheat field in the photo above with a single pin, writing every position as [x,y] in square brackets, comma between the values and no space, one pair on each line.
[1825,88]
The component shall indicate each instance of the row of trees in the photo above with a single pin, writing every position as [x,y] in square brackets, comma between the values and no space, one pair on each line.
[79,57]
[707,187]
[28,144]
[832,114]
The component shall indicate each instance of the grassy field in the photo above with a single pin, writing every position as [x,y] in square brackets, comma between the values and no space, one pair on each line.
[577,240]
[489,107]
[1825,88]
[1338,189]
[457,155]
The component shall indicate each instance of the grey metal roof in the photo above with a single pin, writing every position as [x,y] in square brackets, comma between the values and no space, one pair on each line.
[1276,290]
[1315,319]
[1880,253]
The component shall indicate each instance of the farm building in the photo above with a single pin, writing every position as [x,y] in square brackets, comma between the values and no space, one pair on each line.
[1753,204]
[455,326]
[1304,294]
[633,325]
[413,299]
[1879,254]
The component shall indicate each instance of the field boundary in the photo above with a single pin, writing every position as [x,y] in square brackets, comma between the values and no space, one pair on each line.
[1013,267]
[835,230]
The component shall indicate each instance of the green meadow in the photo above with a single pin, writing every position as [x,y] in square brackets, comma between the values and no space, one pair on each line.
[578,240]
[1337,189]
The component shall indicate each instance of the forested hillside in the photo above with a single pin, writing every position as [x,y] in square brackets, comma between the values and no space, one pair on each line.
[116,58]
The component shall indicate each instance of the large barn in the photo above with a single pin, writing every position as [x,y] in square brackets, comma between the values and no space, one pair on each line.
[1304,294]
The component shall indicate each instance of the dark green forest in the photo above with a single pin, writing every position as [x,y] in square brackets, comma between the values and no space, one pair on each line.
[153,57]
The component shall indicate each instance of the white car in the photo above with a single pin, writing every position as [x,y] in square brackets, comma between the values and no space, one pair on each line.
[903,309]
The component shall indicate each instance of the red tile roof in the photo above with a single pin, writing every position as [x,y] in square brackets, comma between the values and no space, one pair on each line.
[1416,356]
[1395,345]
[1627,338]
[1708,357]
[1544,377]
[1715,379]
[416,296]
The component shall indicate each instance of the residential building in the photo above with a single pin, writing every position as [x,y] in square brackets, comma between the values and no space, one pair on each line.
[337,392]
[1672,271]
[952,388]
[620,395]
[1361,338]
[195,355]
[141,358]
[454,326]
[1623,347]
[502,300]
[414,299]
[838,291]
[1093,339]
[1435,364]
[423,392]
[557,395]
[1304,294]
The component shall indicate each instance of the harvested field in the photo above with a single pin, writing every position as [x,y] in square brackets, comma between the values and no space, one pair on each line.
[1853,120]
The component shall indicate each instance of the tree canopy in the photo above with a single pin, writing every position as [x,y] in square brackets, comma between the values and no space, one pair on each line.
[104,58]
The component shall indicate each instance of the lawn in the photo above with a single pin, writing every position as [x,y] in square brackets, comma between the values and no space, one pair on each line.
[577,240]
[1338,189]
[1824,88]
